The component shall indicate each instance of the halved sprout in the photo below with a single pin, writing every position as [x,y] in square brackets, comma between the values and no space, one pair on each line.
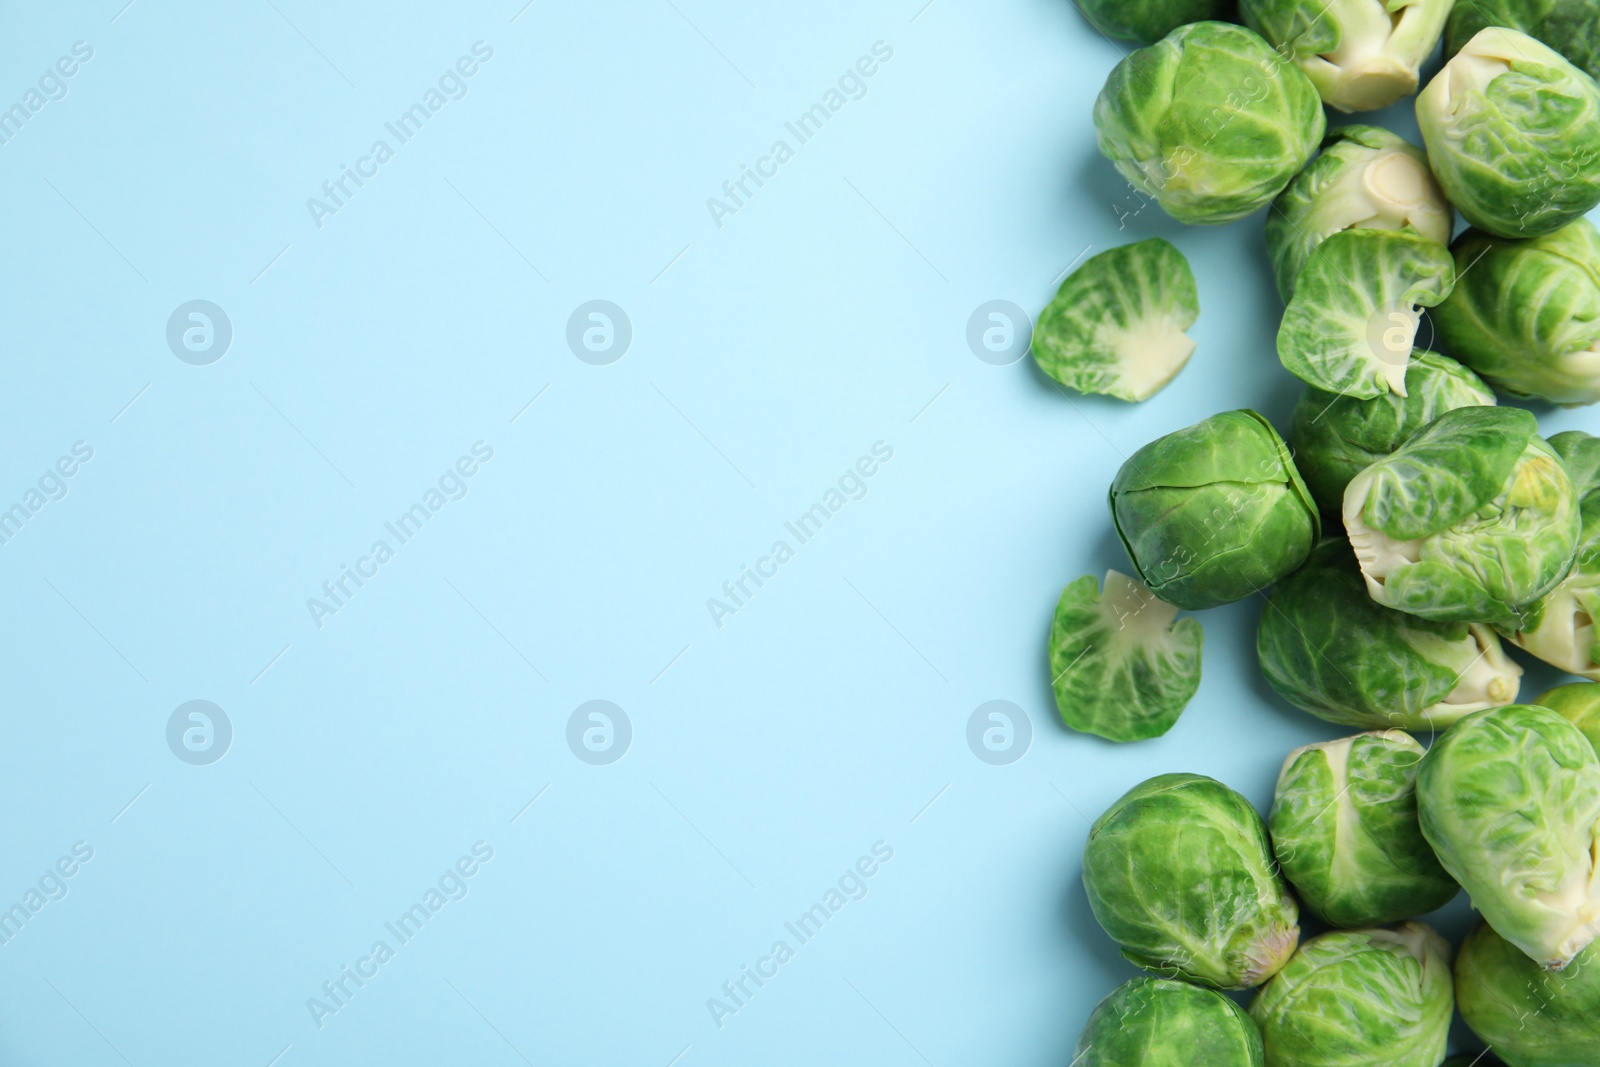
[1526,315]
[1329,649]
[1344,829]
[1472,520]
[1209,121]
[1350,326]
[1365,179]
[1513,134]
[1360,998]
[1335,437]
[1509,799]
[1180,874]
[1120,664]
[1116,326]
[1561,628]
[1360,54]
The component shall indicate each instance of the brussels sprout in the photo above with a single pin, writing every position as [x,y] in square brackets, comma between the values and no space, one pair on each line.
[1365,179]
[1157,1022]
[1117,324]
[1472,520]
[1513,135]
[1350,325]
[1344,829]
[1329,649]
[1509,799]
[1147,21]
[1360,54]
[1568,26]
[1214,512]
[1210,121]
[1360,998]
[1334,438]
[1527,315]
[1180,874]
[1560,629]
[1579,704]
[1120,666]
[1530,1016]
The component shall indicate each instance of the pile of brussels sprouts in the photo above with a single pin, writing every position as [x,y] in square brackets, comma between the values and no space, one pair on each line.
[1406,529]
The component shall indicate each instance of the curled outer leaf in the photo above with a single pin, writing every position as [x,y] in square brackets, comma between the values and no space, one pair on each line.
[1350,326]
[1473,520]
[1117,324]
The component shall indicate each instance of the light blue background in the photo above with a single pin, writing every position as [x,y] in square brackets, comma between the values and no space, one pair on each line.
[768,354]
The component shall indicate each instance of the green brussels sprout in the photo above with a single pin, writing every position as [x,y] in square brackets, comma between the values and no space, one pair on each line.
[1530,1016]
[1568,26]
[1334,438]
[1350,324]
[1120,666]
[1344,829]
[1329,649]
[1117,324]
[1214,512]
[1509,799]
[1560,628]
[1180,874]
[1527,315]
[1147,21]
[1157,1022]
[1513,135]
[1472,520]
[1360,998]
[1365,179]
[1360,54]
[1579,704]
[1210,122]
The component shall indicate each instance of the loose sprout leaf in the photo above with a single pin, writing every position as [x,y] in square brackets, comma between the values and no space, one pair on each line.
[1360,54]
[1180,874]
[1335,437]
[1510,801]
[1121,664]
[1526,315]
[1376,996]
[1344,829]
[1513,134]
[1531,1016]
[1209,121]
[1350,325]
[1331,650]
[1365,178]
[1117,324]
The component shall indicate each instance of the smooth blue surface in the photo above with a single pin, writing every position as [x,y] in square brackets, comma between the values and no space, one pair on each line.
[369,753]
